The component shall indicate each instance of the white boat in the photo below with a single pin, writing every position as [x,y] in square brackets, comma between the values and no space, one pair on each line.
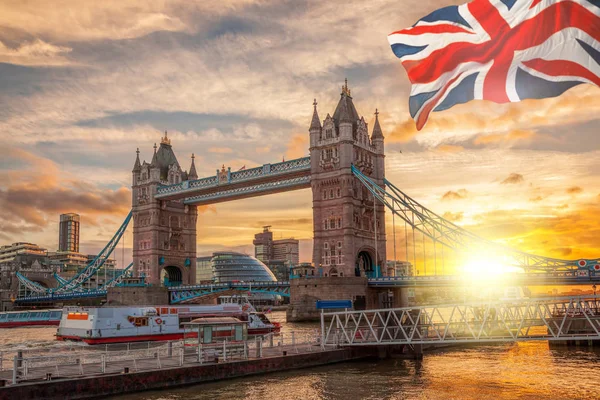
[99,325]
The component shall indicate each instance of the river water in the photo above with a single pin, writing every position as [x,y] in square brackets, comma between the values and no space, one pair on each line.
[508,371]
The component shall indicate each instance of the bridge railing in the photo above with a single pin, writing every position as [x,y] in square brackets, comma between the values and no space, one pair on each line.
[145,356]
[500,321]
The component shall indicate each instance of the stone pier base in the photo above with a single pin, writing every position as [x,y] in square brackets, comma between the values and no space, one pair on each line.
[137,296]
[304,293]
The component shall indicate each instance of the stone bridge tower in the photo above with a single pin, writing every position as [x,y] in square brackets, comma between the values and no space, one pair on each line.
[349,228]
[164,232]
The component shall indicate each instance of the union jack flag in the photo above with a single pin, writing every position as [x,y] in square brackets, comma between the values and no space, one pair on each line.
[499,50]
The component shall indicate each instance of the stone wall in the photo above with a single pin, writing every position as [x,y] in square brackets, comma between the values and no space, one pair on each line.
[305,292]
[137,296]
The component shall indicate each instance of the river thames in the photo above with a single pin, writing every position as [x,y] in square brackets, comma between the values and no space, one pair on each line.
[507,371]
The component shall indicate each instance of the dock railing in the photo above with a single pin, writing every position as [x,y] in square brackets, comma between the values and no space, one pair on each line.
[144,356]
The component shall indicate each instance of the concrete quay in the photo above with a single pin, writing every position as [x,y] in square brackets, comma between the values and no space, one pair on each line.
[95,385]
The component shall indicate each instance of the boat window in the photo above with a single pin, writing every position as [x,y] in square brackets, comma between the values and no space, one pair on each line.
[3,317]
[164,311]
[55,314]
[22,315]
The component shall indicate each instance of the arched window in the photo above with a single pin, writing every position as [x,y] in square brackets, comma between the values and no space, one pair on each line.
[339,192]
[326,246]
[339,224]
[331,193]
[324,194]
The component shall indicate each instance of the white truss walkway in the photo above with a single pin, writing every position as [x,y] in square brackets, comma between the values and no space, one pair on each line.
[531,319]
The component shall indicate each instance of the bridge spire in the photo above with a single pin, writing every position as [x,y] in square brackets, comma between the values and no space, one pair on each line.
[377,134]
[154,161]
[316,122]
[193,175]
[137,166]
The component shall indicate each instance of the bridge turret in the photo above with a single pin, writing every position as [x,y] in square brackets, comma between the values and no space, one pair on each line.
[377,139]
[344,219]
[154,167]
[315,127]
[193,175]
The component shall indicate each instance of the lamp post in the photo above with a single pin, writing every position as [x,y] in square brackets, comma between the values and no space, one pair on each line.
[595,299]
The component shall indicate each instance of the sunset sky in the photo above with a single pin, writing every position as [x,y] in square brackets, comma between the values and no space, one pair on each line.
[85,83]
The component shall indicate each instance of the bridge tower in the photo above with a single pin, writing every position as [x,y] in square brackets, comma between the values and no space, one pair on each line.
[349,227]
[164,231]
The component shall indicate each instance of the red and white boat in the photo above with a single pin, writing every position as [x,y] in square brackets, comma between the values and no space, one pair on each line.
[99,325]
[16,319]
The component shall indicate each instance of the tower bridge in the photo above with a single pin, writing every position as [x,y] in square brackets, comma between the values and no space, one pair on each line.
[348,226]
[350,194]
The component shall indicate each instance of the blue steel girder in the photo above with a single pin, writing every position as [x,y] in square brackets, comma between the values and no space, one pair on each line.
[228,180]
[282,185]
[457,238]
[179,294]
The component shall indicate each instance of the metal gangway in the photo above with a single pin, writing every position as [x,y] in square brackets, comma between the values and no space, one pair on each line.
[555,319]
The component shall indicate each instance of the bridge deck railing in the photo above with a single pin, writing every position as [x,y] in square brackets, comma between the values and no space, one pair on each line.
[501,321]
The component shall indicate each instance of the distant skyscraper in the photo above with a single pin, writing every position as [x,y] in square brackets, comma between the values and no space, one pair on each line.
[68,233]
[263,245]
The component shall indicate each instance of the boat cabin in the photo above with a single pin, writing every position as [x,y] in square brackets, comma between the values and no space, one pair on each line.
[207,330]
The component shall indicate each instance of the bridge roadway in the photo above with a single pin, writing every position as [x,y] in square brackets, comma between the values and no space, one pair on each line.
[183,294]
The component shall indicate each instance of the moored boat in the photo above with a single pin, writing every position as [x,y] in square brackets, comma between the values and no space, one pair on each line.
[16,319]
[100,325]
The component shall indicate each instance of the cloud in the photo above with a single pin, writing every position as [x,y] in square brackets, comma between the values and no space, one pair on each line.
[35,194]
[512,179]
[297,146]
[455,195]
[36,52]
[449,148]
[454,216]
[505,138]
[220,150]
[574,190]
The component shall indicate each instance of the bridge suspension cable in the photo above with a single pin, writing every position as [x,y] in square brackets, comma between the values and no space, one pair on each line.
[449,235]
[94,266]
[75,284]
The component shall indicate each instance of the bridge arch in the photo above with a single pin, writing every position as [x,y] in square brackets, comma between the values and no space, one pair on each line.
[171,275]
[364,262]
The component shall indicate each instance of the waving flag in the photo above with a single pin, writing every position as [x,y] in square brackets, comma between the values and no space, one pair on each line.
[499,50]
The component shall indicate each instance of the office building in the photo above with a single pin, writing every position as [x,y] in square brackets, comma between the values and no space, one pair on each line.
[68,233]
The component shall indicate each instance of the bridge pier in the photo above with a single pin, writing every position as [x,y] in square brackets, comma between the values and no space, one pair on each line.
[304,293]
[378,297]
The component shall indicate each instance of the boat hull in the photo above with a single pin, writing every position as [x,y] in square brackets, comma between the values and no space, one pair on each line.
[20,324]
[150,338]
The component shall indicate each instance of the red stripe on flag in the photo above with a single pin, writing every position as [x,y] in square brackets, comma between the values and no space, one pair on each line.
[529,33]
[423,29]
[562,68]
[534,3]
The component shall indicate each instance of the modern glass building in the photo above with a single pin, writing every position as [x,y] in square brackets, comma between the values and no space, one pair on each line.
[230,266]
[68,233]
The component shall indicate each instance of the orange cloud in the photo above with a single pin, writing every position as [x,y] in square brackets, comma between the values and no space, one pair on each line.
[504,138]
[454,216]
[297,146]
[220,150]
[512,179]
[449,148]
[574,190]
[458,195]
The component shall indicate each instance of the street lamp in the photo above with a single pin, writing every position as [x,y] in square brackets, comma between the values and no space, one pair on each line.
[595,299]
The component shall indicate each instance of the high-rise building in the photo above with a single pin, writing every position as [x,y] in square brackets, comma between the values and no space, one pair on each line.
[278,255]
[263,245]
[286,250]
[68,233]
